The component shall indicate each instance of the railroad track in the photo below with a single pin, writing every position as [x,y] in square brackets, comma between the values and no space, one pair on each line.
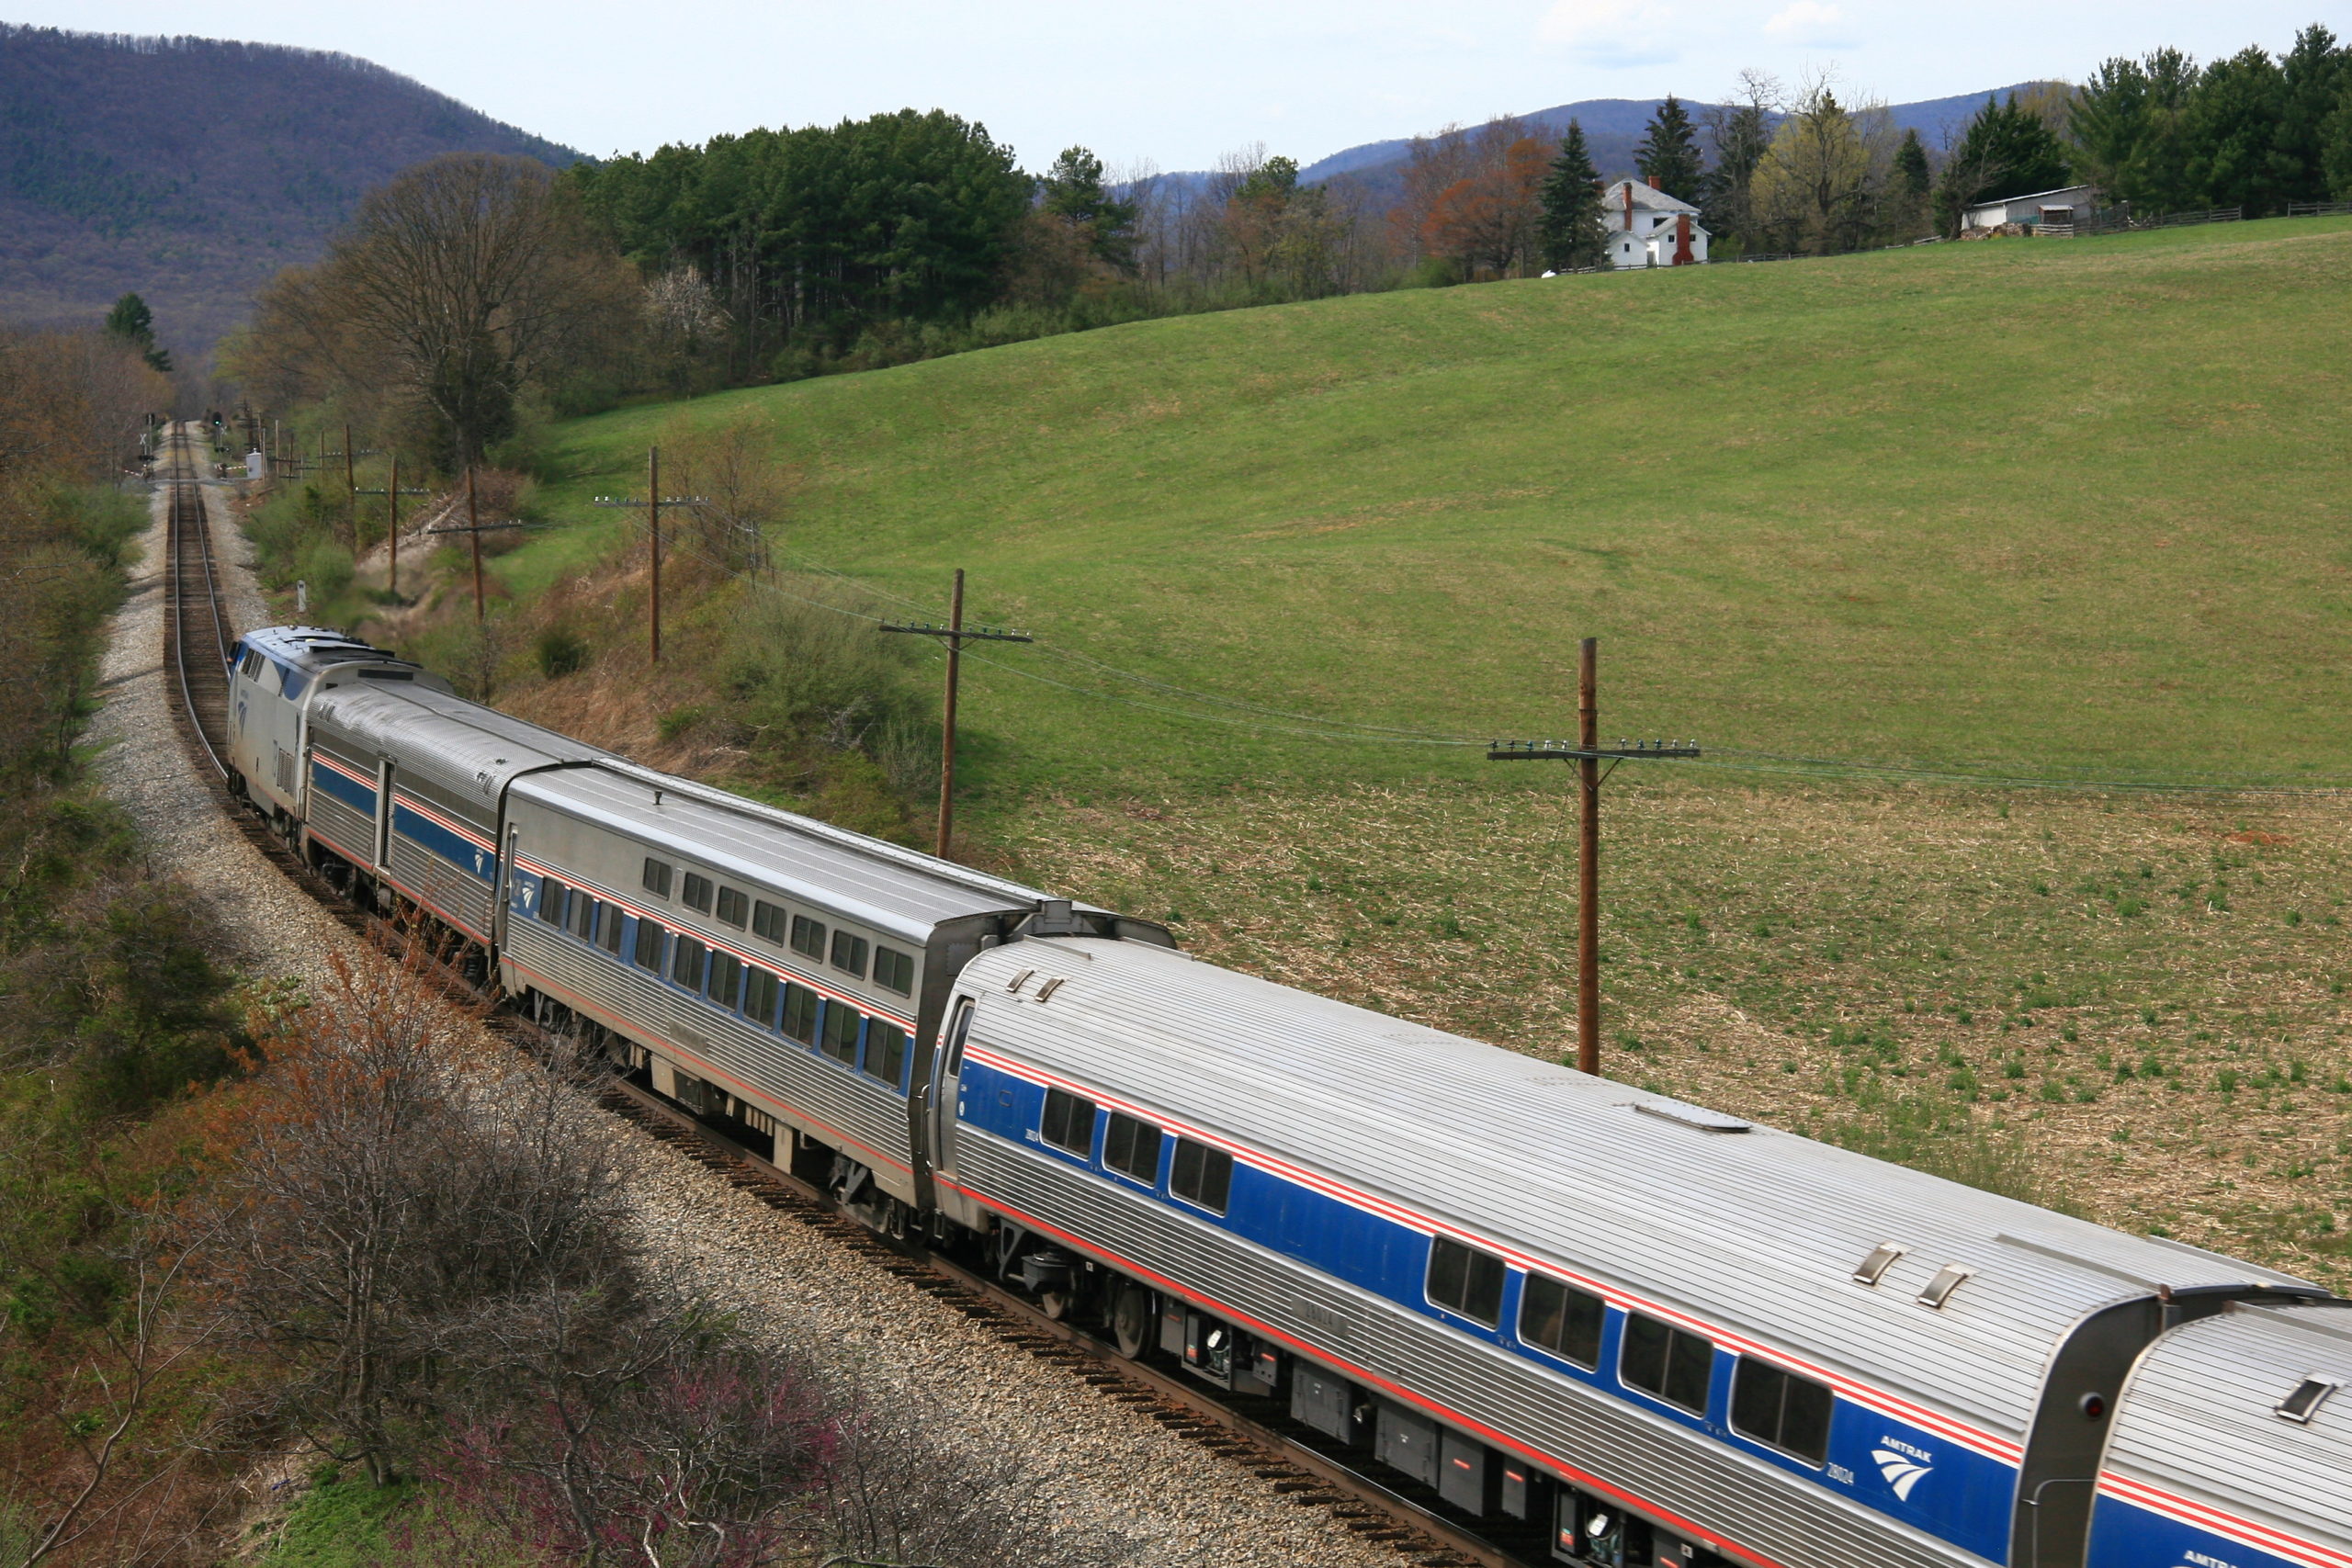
[1298,1465]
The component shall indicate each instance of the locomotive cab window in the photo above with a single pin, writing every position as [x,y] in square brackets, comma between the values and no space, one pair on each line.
[808,937]
[1561,1319]
[1777,1406]
[1132,1148]
[1069,1122]
[849,953]
[894,971]
[733,907]
[697,893]
[886,1050]
[767,921]
[1201,1175]
[1465,1280]
[657,876]
[1661,1360]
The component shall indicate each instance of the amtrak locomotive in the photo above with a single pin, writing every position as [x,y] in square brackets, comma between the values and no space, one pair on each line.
[1666,1336]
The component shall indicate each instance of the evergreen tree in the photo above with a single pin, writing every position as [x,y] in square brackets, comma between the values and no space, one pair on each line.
[1570,234]
[1911,166]
[1075,193]
[2007,150]
[2335,148]
[1668,153]
[2318,71]
[1740,134]
[134,323]
[2232,125]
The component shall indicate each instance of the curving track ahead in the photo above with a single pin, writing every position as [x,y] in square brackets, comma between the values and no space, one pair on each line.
[1299,1463]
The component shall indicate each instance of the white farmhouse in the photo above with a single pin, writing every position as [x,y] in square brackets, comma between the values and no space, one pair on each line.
[2060,209]
[1649,228]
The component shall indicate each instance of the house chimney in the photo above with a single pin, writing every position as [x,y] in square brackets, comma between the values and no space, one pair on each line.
[1653,181]
[1683,256]
[1629,205]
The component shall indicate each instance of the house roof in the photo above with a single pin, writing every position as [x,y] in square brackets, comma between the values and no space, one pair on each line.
[2029,195]
[1644,196]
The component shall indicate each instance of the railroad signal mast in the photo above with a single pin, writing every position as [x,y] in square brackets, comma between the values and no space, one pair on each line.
[1588,753]
[955,634]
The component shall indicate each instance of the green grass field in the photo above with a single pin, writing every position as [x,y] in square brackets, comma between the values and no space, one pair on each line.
[2048,507]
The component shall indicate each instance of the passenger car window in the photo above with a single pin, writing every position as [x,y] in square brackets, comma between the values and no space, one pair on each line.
[1561,1319]
[584,917]
[726,977]
[807,936]
[1663,1360]
[1201,1175]
[697,894]
[657,876]
[839,1039]
[1775,1405]
[686,963]
[894,971]
[1069,1122]
[849,953]
[551,894]
[649,944]
[767,921]
[1466,1280]
[758,1000]
[1132,1147]
[886,1050]
[609,927]
[733,907]
[800,1013]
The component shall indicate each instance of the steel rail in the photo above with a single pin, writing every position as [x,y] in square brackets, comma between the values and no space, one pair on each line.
[1301,1473]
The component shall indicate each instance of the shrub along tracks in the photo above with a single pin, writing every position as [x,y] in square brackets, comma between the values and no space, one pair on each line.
[1294,1463]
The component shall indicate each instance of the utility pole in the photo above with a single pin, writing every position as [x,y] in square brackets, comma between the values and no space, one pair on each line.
[955,633]
[475,528]
[1587,754]
[391,492]
[653,502]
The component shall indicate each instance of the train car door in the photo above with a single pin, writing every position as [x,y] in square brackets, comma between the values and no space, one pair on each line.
[944,1093]
[383,814]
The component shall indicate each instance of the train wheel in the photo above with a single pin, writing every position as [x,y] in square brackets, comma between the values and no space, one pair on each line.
[1131,1320]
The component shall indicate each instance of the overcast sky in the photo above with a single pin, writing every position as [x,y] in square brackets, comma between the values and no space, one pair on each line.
[1175,84]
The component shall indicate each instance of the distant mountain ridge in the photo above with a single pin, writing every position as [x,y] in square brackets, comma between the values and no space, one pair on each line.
[1612,128]
[190,170]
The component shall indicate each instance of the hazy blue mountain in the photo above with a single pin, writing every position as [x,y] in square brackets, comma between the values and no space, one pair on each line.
[190,170]
[1613,126]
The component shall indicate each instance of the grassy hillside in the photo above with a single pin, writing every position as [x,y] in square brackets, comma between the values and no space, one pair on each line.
[2040,507]
[2036,507]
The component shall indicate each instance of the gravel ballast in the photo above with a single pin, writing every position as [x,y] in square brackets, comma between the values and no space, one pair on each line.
[1096,1465]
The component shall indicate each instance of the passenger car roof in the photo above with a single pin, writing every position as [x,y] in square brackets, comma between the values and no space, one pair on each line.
[1759,1230]
[2199,1419]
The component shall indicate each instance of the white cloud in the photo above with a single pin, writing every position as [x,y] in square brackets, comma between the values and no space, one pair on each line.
[1614,32]
[1811,21]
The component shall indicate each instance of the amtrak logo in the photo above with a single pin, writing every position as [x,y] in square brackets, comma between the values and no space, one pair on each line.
[1904,1466]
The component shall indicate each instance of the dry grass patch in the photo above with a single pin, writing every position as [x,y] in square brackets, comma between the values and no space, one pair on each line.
[2131,1008]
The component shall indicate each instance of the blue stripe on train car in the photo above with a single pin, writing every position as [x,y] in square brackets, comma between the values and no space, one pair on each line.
[360,797]
[1926,1480]
[428,834]
[2125,1535]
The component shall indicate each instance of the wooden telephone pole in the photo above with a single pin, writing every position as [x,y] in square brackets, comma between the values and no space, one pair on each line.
[955,635]
[391,492]
[653,502]
[1587,754]
[475,528]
